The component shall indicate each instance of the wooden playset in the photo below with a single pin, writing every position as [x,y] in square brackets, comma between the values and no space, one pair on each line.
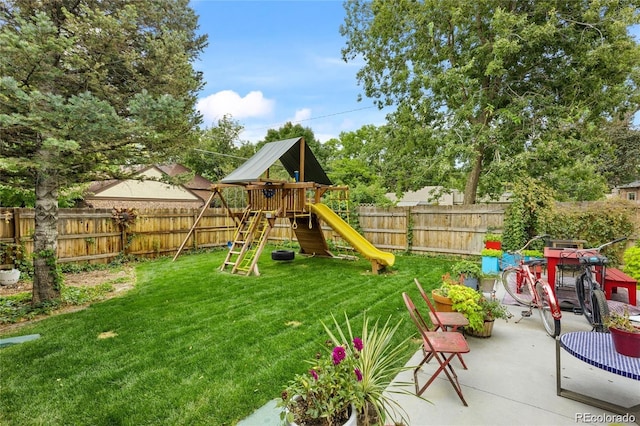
[298,199]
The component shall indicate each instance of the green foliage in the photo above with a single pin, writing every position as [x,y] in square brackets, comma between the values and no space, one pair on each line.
[86,89]
[622,321]
[491,252]
[260,334]
[528,214]
[493,309]
[468,268]
[631,258]
[532,253]
[492,237]
[467,301]
[529,114]
[217,152]
[327,391]
[18,307]
[372,355]
[596,223]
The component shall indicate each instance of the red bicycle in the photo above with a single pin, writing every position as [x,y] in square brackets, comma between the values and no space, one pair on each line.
[524,282]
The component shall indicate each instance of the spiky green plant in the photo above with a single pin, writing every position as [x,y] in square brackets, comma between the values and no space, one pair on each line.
[379,362]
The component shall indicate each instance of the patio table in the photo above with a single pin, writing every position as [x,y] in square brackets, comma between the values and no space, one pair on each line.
[557,257]
[597,349]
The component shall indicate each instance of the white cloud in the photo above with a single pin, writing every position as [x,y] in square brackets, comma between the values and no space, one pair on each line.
[302,115]
[215,106]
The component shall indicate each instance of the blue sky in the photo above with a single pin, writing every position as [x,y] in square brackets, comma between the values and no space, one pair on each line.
[269,62]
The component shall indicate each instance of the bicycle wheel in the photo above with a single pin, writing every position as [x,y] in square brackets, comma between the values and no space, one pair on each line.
[583,292]
[514,283]
[600,310]
[551,325]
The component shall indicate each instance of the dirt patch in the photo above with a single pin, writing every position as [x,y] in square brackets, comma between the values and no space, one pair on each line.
[122,280]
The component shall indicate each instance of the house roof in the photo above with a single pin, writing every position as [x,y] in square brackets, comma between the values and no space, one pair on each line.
[198,182]
[198,186]
[634,184]
[288,152]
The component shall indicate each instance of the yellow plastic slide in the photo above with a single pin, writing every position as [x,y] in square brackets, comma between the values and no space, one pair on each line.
[350,235]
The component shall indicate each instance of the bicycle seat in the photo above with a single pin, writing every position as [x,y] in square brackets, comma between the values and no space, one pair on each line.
[535,262]
[593,260]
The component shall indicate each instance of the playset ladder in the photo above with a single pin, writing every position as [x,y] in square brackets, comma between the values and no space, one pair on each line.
[248,242]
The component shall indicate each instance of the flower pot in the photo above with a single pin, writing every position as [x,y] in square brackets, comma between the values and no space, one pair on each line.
[490,265]
[485,332]
[497,245]
[471,282]
[351,421]
[625,342]
[443,304]
[9,276]
[487,284]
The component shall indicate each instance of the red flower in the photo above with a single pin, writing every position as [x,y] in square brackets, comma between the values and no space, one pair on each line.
[357,343]
[338,355]
[313,374]
[358,374]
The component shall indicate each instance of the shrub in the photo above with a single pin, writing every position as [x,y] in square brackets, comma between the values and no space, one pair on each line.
[491,253]
[631,258]
[467,268]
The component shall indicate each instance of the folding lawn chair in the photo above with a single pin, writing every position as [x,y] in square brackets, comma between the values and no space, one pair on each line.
[441,345]
[442,320]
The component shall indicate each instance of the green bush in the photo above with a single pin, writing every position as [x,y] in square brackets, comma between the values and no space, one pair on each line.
[467,268]
[492,237]
[596,223]
[491,252]
[631,258]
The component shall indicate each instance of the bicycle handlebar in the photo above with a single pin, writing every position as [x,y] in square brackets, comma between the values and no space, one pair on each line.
[537,237]
[595,249]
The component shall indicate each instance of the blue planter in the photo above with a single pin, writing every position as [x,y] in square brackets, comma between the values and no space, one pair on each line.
[490,265]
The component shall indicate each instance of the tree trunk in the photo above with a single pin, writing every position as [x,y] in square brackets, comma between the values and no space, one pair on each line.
[46,280]
[471,187]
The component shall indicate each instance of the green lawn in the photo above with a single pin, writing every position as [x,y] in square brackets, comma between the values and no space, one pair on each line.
[194,345]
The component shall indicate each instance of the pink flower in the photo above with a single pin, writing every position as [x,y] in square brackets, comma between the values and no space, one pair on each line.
[338,355]
[313,374]
[357,343]
[358,374]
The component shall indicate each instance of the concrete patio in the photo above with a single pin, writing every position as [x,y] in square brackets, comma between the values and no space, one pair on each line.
[511,380]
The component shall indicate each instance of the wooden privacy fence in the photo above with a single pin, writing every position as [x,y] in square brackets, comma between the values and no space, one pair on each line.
[431,229]
[95,236]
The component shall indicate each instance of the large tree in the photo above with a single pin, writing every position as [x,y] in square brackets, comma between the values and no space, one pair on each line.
[503,88]
[217,153]
[86,87]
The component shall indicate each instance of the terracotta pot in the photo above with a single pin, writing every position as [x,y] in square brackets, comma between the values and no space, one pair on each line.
[485,332]
[443,304]
[625,342]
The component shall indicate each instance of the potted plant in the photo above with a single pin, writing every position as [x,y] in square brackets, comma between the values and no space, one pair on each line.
[490,260]
[10,256]
[488,282]
[624,333]
[492,241]
[440,295]
[346,385]
[468,271]
[492,309]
